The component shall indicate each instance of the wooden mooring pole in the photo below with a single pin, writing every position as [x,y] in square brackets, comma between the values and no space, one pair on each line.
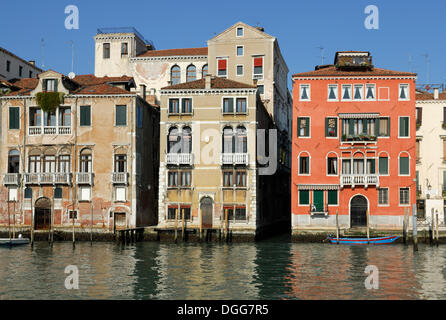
[182,225]
[368,226]
[431,229]
[176,222]
[414,228]
[405,226]
[436,228]
[201,224]
[226,225]
[337,228]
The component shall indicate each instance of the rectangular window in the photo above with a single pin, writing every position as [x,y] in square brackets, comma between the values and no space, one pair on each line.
[239,70]
[258,68]
[139,117]
[64,116]
[240,32]
[172,178]
[124,49]
[332,166]
[303,127]
[404,92]
[239,50]
[383,196]
[370,92]
[185,178]
[417,150]
[30,74]
[85,119]
[332,92]
[331,127]
[404,166]
[106,51]
[358,166]
[240,213]
[14,118]
[34,164]
[304,197]
[261,88]
[57,193]
[228,179]
[241,105]
[222,67]
[371,166]
[304,165]
[12,194]
[358,92]
[404,127]
[8,65]
[304,92]
[240,180]
[228,105]
[346,92]
[383,127]
[184,209]
[120,194]
[172,212]
[346,166]
[174,106]
[120,163]
[121,115]
[64,163]
[383,165]
[333,197]
[186,105]
[404,196]
[49,85]
[20,71]
[84,193]
[419,116]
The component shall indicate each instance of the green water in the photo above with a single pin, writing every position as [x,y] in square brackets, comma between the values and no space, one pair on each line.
[272,269]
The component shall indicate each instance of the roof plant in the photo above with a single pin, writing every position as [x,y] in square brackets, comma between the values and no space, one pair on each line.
[49,101]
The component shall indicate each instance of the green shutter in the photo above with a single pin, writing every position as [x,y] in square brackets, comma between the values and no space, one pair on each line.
[121,115]
[333,197]
[326,127]
[404,127]
[14,118]
[44,85]
[55,84]
[85,119]
[383,165]
[388,127]
[404,165]
[351,127]
[231,105]
[377,127]
[304,197]
[307,126]
[444,180]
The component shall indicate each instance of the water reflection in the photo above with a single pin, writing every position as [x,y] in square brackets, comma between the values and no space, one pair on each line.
[273,269]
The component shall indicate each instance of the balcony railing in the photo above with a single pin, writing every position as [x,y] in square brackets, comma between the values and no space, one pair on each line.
[235,158]
[119,177]
[362,138]
[11,179]
[359,179]
[48,178]
[180,158]
[318,210]
[53,130]
[84,178]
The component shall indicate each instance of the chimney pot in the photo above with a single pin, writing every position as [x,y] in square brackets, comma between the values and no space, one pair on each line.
[436,94]
[32,62]
[207,81]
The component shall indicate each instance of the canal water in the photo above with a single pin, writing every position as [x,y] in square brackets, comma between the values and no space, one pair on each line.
[271,269]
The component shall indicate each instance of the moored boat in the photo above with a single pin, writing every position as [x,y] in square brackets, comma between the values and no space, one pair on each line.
[13,241]
[363,241]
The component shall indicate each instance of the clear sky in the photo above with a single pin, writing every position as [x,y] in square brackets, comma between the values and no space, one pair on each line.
[407,29]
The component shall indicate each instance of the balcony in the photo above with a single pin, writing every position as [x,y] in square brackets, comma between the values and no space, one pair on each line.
[48,178]
[180,159]
[34,131]
[119,177]
[235,159]
[84,178]
[352,139]
[318,210]
[11,179]
[359,180]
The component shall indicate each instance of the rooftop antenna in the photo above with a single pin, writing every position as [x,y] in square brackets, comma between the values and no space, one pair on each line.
[322,54]
[43,53]
[410,63]
[426,56]
[72,55]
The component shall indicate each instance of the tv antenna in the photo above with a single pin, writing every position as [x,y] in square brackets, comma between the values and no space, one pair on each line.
[43,52]
[71,74]
[322,54]
[410,63]
[426,56]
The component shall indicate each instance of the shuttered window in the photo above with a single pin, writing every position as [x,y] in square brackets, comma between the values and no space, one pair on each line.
[383,165]
[417,150]
[331,127]
[304,197]
[332,197]
[444,150]
[14,118]
[444,180]
[404,165]
[404,126]
[85,117]
[121,115]
[303,127]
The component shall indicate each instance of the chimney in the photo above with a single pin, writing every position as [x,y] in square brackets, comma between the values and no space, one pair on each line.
[152,91]
[142,91]
[32,62]
[169,83]
[436,94]
[207,81]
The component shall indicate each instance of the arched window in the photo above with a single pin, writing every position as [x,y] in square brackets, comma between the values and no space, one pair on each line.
[241,140]
[191,73]
[85,161]
[64,161]
[49,160]
[186,140]
[228,140]
[14,161]
[204,71]
[174,141]
[304,163]
[175,74]
[332,163]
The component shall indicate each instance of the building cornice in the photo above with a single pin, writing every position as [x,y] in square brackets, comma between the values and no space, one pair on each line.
[207,91]
[356,78]
[169,58]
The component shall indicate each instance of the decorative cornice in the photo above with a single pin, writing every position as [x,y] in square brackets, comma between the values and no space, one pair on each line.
[207,91]
[318,186]
[168,58]
[355,78]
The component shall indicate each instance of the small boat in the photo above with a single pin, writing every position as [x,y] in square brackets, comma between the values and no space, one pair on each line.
[362,241]
[13,241]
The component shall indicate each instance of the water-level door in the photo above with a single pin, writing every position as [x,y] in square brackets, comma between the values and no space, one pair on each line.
[358,211]
[206,212]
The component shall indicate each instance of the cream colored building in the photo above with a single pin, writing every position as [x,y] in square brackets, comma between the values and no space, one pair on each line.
[13,67]
[431,154]
[208,168]
[92,159]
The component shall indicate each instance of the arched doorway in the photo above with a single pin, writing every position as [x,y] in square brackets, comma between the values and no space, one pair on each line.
[206,212]
[358,211]
[42,214]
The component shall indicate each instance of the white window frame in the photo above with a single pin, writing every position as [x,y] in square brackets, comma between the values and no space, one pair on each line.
[236,70]
[388,197]
[308,91]
[338,127]
[258,76]
[399,197]
[354,90]
[399,157]
[116,194]
[236,50]
[326,165]
[408,91]
[408,130]
[309,198]
[81,195]
[234,105]
[373,85]
[342,92]
[309,165]
[236,31]
[227,66]
[309,128]
[336,92]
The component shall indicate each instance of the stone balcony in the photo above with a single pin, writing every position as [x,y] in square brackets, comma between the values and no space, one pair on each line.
[359,180]
[48,178]
[180,159]
[235,159]
[85,178]
[120,178]
[54,130]
[11,179]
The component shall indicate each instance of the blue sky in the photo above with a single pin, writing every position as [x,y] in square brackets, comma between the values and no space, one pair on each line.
[406,28]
